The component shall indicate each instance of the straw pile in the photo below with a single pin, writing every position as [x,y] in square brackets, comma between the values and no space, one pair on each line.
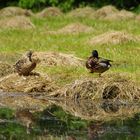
[58,59]
[113,37]
[16,83]
[5,69]
[108,87]
[74,28]
[48,12]
[111,13]
[82,12]
[16,22]
[14,11]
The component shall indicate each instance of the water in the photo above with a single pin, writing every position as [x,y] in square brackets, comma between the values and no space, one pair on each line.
[73,120]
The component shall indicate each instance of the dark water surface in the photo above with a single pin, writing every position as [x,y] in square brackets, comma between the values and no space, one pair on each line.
[73,120]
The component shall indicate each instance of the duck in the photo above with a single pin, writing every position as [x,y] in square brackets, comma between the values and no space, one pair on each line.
[26,118]
[96,64]
[26,65]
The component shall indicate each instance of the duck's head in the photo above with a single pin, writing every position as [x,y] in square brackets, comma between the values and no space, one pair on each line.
[29,55]
[95,53]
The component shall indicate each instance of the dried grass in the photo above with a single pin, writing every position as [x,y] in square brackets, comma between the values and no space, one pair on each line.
[121,15]
[111,13]
[17,22]
[16,83]
[105,11]
[82,12]
[57,59]
[48,12]
[14,11]
[113,37]
[5,69]
[107,87]
[74,28]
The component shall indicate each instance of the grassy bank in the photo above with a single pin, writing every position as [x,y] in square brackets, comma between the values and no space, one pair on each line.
[125,55]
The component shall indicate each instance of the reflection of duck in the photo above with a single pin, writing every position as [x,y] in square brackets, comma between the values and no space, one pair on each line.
[26,65]
[94,130]
[26,118]
[97,64]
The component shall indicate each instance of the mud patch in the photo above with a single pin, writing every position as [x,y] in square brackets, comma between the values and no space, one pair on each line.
[82,12]
[5,69]
[49,12]
[112,87]
[16,83]
[58,59]
[113,37]
[74,28]
[17,22]
[14,11]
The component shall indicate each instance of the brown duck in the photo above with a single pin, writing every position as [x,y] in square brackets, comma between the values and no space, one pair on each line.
[26,65]
[97,64]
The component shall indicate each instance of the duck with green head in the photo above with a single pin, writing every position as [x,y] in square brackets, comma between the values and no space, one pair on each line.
[97,64]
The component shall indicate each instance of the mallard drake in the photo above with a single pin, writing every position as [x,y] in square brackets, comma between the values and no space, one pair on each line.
[26,65]
[97,64]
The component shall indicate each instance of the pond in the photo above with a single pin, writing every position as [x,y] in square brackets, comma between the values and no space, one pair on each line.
[73,120]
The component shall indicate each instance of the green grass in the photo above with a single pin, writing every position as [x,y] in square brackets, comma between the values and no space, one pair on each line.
[126,55]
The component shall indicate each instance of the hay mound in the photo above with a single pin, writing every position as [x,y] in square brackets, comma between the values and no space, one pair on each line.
[105,11]
[57,59]
[48,12]
[82,12]
[17,22]
[121,15]
[74,28]
[138,18]
[16,83]
[5,69]
[14,11]
[111,13]
[112,87]
[113,37]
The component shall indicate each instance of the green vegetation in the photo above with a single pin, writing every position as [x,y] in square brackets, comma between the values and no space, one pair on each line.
[66,5]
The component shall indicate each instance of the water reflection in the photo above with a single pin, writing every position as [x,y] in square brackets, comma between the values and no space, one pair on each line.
[73,120]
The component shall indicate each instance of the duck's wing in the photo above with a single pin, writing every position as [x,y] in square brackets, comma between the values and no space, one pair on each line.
[91,62]
[104,60]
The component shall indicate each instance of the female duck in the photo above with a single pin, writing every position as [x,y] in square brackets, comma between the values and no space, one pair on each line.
[26,65]
[97,64]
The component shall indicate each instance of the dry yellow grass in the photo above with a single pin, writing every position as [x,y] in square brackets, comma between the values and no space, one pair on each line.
[51,11]
[74,28]
[14,11]
[5,69]
[58,59]
[16,83]
[16,22]
[82,12]
[113,37]
[108,87]
[111,13]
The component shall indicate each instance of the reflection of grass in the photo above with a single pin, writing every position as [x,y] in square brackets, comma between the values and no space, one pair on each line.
[16,41]
[6,113]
